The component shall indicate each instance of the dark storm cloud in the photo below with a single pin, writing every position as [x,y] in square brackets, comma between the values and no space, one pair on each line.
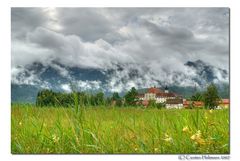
[25,20]
[161,39]
[89,24]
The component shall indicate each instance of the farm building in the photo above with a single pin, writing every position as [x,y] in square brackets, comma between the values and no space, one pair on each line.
[160,96]
[174,103]
[224,103]
[187,104]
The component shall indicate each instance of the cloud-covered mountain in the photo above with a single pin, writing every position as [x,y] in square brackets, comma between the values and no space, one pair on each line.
[36,76]
[113,49]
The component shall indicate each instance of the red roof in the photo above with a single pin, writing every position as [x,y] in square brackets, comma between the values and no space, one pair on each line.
[186,103]
[225,101]
[198,103]
[194,103]
[154,90]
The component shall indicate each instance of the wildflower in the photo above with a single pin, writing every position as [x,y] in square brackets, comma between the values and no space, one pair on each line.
[211,111]
[55,138]
[206,115]
[185,129]
[20,123]
[136,149]
[155,149]
[193,137]
[197,135]
[197,138]
[167,138]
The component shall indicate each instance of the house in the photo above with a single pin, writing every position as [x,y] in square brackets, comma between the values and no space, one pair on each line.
[189,104]
[160,96]
[224,103]
[174,103]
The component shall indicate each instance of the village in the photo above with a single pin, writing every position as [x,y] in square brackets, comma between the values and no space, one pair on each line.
[173,100]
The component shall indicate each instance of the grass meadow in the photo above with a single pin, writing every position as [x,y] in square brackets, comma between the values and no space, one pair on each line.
[115,130]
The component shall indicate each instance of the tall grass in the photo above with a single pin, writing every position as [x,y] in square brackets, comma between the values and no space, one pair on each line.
[118,130]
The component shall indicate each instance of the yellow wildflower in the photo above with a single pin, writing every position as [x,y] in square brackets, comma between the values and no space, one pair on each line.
[201,141]
[155,149]
[193,137]
[211,111]
[55,138]
[185,129]
[197,137]
[20,123]
[206,115]
[199,134]
[167,138]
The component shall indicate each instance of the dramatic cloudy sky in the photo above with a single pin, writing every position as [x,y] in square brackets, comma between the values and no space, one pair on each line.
[154,41]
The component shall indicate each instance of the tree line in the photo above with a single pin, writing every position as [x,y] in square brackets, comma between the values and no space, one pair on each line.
[46,97]
[210,97]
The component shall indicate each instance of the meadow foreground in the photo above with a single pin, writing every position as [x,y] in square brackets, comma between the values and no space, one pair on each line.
[50,130]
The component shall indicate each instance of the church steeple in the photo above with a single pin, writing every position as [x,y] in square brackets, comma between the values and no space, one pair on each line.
[166,89]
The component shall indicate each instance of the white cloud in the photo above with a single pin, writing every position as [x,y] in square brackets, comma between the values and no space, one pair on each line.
[62,71]
[21,76]
[26,53]
[154,42]
[66,88]
[88,85]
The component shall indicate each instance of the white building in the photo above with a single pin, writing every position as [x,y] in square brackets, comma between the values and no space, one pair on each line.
[174,103]
[160,96]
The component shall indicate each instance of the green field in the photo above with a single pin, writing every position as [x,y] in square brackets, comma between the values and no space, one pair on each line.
[118,130]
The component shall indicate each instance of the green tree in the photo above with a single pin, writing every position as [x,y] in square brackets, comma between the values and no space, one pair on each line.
[197,97]
[46,98]
[161,105]
[99,98]
[74,99]
[131,97]
[115,96]
[152,104]
[117,99]
[211,97]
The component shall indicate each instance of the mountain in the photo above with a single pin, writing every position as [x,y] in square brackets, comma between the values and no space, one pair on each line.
[28,80]
[206,72]
[24,93]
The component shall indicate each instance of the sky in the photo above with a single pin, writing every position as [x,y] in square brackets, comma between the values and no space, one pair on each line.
[156,42]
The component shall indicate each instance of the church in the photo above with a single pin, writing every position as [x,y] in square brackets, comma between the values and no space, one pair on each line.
[171,99]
